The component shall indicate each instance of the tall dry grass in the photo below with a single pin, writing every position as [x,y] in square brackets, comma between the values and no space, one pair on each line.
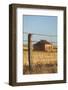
[41,62]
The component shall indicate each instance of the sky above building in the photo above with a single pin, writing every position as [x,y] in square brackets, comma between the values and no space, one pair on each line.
[46,25]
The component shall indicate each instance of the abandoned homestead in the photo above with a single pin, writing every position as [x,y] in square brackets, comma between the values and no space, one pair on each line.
[44,45]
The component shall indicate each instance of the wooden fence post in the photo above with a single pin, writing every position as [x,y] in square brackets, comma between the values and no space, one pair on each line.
[30,52]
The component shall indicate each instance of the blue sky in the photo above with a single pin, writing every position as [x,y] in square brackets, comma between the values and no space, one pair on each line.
[46,25]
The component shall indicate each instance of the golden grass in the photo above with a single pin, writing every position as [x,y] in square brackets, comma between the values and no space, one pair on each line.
[41,62]
[41,57]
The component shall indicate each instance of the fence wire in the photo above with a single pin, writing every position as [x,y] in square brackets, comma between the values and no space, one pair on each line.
[42,57]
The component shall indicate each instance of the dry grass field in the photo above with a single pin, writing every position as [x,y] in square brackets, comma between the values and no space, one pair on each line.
[41,62]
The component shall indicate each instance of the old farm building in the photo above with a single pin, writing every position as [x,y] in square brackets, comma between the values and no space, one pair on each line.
[44,45]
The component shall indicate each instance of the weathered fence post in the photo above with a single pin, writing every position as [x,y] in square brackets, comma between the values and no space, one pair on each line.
[29,51]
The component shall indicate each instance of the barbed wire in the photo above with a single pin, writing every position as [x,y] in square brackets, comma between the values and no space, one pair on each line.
[37,41]
[40,34]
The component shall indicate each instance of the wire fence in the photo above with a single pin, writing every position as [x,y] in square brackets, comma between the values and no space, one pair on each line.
[36,37]
[40,52]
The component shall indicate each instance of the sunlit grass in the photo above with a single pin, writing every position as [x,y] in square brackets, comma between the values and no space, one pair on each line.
[42,62]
